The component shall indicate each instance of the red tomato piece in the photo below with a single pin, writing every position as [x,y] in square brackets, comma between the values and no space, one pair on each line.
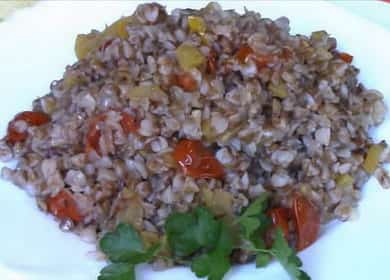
[63,206]
[346,57]
[280,217]
[93,134]
[243,52]
[286,54]
[31,118]
[263,60]
[307,220]
[212,63]
[186,82]
[128,123]
[196,161]
[14,136]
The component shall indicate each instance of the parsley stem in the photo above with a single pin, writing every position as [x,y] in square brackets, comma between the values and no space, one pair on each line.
[253,249]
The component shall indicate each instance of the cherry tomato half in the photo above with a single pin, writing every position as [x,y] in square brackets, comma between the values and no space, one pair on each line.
[63,206]
[127,122]
[186,82]
[280,217]
[93,134]
[346,57]
[307,221]
[243,52]
[212,63]
[263,60]
[31,118]
[196,161]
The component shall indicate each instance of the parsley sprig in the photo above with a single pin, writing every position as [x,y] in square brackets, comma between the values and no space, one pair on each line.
[204,242]
[124,248]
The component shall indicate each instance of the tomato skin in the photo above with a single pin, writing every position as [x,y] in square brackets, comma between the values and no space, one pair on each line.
[286,54]
[263,60]
[63,206]
[128,123]
[14,136]
[93,134]
[347,58]
[196,161]
[243,52]
[186,82]
[307,220]
[212,63]
[31,118]
[280,217]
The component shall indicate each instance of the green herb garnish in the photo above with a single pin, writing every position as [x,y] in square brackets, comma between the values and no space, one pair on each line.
[190,232]
[282,252]
[204,242]
[215,263]
[124,248]
[117,271]
[253,219]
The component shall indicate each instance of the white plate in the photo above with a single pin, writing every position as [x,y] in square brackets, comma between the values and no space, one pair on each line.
[35,46]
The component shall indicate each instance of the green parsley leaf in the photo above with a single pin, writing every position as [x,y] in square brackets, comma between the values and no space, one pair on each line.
[207,227]
[221,266]
[117,271]
[216,263]
[151,252]
[213,265]
[253,221]
[263,259]
[257,207]
[201,265]
[125,245]
[187,233]
[287,257]
[249,226]
[225,240]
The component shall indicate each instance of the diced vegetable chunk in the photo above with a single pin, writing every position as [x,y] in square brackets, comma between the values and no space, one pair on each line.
[189,57]
[279,90]
[196,24]
[372,158]
[220,202]
[71,80]
[151,92]
[209,132]
[118,28]
[85,43]
[344,180]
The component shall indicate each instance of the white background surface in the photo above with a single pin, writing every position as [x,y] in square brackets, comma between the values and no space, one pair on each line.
[36,45]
